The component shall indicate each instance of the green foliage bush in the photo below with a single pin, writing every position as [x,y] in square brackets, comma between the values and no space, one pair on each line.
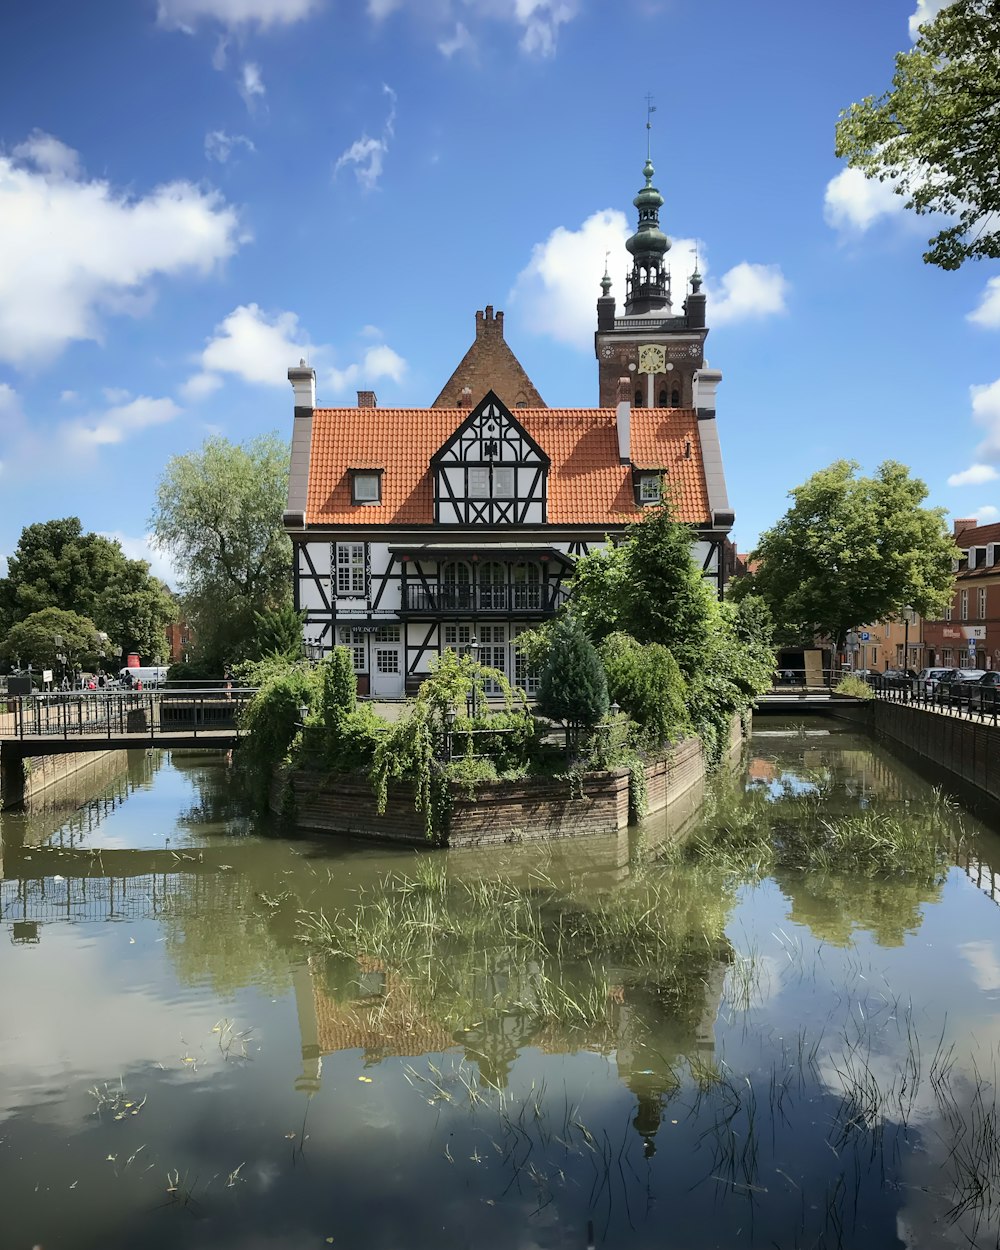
[509,739]
[854,686]
[273,716]
[646,682]
[193,671]
[351,740]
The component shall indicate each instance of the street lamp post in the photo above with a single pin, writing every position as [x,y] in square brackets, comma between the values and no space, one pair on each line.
[474,651]
[907,616]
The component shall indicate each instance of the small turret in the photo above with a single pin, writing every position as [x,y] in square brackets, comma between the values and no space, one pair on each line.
[606,302]
[694,305]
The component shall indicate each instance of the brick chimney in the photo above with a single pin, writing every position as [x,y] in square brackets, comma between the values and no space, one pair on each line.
[488,326]
[366,399]
[963,523]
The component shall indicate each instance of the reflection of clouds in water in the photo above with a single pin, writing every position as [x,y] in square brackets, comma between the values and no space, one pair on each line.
[983,960]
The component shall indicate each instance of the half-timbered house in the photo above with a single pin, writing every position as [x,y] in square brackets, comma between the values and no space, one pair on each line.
[419,529]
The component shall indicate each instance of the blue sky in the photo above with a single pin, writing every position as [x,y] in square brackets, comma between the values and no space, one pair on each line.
[194,193]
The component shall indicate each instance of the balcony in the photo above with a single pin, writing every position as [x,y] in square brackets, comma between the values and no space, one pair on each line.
[443,599]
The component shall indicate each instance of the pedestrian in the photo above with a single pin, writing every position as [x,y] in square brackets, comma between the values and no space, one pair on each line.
[138,684]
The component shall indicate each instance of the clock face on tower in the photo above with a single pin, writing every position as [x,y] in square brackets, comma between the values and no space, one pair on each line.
[652,358]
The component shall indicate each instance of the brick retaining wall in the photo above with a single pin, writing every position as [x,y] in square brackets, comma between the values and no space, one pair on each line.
[497,812]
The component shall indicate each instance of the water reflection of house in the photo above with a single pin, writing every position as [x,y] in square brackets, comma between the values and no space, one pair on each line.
[384,1016]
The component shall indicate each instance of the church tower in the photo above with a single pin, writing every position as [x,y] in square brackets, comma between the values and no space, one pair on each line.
[660,351]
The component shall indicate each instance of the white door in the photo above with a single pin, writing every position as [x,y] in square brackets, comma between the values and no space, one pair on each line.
[387,670]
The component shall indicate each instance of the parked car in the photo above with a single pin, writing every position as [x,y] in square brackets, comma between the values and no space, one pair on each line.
[984,690]
[931,676]
[954,683]
[897,678]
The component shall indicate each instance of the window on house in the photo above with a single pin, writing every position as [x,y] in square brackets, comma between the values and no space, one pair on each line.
[366,487]
[675,398]
[981,594]
[947,613]
[354,639]
[501,487]
[963,600]
[457,637]
[350,569]
[638,399]
[946,657]
[662,399]
[649,488]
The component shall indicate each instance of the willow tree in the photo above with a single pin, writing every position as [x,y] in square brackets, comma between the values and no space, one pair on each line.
[218,513]
[933,134]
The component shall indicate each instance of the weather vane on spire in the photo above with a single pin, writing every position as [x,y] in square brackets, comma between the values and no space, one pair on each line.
[650,110]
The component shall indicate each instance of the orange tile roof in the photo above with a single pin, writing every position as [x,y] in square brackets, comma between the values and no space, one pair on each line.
[586,486]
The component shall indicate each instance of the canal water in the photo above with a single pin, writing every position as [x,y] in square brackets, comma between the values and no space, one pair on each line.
[215,1037]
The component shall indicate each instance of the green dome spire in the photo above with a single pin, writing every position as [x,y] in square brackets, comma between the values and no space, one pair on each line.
[649,241]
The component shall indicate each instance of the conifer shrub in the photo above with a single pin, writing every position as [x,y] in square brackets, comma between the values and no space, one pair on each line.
[573,687]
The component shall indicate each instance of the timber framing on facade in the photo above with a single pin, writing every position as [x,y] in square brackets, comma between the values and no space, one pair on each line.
[415,530]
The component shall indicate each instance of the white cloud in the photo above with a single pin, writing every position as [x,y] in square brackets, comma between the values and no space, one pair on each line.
[48,154]
[118,423]
[199,386]
[925,11]
[854,203]
[258,348]
[988,312]
[186,14]
[558,288]
[68,397]
[747,292]
[987,514]
[460,41]
[251,84]
[253,346]
[115,394]
[11,418]
[537,22]
[986,412]
[974,475]
[219,146]
[367,155]
[75,249]
[144,548]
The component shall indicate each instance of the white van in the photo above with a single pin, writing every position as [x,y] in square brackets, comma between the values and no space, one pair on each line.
[153,676]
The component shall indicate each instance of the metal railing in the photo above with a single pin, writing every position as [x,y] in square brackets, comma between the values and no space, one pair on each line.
[123,713]
[480,599]
[968,700]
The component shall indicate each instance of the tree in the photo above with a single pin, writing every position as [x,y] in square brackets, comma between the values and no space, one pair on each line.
[852,550]
[33,640]
[218,511]
[278,631]
[933,134]
[647,684]
[572,687]
[57,565]
[649,587]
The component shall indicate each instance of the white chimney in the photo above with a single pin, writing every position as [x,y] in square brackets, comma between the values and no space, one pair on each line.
[303,380]
[706,382]
[623,420]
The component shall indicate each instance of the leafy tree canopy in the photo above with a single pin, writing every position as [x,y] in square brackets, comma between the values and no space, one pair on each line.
[33,640]
[647,683]
[852,550]
[57,565]
[218,511]
[649,587]
[933,134]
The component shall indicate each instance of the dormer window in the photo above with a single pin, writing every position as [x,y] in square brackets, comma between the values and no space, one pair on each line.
[649,488]
[366,486]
